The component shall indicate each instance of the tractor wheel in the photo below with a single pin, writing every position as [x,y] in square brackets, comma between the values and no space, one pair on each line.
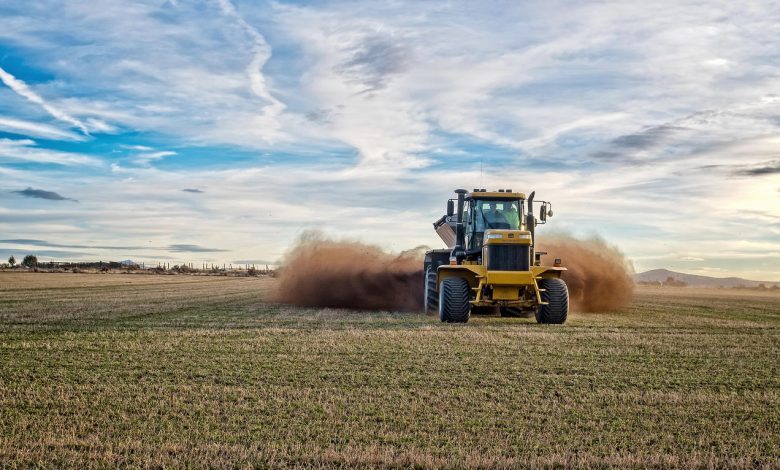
[557,297]
[454,304]
[431,294]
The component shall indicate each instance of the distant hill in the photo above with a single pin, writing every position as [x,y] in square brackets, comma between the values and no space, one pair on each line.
[695,280]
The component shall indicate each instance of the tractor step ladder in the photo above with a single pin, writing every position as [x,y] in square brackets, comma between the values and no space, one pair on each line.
[539,291]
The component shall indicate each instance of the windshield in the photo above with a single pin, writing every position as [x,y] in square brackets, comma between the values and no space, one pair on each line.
[481,215]
[497,215]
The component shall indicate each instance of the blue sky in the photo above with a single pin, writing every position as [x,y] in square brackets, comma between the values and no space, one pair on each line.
[220,131]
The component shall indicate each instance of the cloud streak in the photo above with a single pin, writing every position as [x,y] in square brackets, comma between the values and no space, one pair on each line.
[57,254]
[146,158]
[766,168]
[175,248]
[26,150]
[38,129]
[22,89]
[629,145]
[262,52]
[44,243]
[179,248]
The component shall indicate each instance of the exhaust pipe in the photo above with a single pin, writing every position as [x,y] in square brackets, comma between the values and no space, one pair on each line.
[530,223]
[458,252]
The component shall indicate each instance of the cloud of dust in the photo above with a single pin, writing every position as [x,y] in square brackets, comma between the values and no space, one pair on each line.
[322,272]
[599,277]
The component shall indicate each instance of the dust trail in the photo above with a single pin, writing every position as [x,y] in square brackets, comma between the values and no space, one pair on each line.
[599,276]
[321,272]
[318,272]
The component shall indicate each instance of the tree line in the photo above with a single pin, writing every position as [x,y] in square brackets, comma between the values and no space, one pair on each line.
[29,261]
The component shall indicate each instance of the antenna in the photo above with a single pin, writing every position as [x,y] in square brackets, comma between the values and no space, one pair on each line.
[480,171]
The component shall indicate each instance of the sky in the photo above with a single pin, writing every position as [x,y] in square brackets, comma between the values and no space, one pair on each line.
[219,131]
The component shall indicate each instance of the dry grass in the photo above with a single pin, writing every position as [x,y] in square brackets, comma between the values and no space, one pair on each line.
[190,371]
[47,297]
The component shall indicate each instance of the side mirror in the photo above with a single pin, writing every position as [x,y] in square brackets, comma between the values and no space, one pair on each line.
[543,213]
[450,207]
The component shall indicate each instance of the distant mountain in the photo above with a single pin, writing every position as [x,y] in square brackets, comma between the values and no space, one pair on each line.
[695,280]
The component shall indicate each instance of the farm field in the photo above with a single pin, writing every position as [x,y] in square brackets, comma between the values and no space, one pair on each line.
[177,371]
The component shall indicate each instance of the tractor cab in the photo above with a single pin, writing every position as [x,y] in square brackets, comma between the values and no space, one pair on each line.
[488,218]
[483,212]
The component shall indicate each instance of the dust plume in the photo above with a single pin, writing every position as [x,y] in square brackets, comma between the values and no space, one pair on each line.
[598,275]
[319,272]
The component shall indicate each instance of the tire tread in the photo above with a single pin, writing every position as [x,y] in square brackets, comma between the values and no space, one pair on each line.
[431,292]
[556,294]
[454,304]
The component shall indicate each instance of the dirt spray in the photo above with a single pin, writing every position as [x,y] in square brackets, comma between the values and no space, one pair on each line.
[598,275]
[321,272]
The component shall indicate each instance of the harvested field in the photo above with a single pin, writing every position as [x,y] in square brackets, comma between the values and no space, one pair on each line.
[111,370]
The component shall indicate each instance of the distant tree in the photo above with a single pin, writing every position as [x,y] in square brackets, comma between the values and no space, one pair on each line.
[12,261]
[30,261]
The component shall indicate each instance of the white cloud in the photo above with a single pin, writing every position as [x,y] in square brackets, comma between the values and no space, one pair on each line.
[147,157]
[262,53]
[267,123]
[356,69]
[144,148]
[38,129]
[639,122]
[24,90]
[27,150]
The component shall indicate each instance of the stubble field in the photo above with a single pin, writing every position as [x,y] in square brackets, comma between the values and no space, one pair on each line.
[186,371]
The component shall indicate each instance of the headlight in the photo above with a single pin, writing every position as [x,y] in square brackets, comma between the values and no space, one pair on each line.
[494,235]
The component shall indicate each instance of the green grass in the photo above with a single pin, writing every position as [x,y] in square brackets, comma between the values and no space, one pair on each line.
[183,371]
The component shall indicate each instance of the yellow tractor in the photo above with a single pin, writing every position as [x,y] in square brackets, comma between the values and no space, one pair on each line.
[491,263]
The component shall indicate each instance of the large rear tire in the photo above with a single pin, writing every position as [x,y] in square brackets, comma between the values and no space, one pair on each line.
[454,304]
[431,301]
[556,294]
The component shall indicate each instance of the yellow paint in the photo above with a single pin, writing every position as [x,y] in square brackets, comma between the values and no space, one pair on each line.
[496,195]
[510,278]
[547,271]
[470,272]
[505,285]
[506,292]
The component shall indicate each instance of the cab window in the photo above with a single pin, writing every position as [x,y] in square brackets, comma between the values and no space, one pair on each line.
[497,215]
